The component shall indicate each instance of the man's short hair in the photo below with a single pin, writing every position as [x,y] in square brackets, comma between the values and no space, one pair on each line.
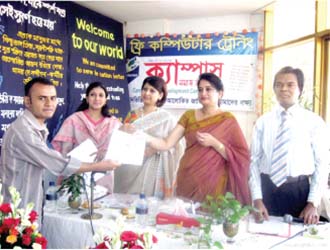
[290,70]
[35,80]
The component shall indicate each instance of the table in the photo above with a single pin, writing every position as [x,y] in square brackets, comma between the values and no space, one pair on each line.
[67,230]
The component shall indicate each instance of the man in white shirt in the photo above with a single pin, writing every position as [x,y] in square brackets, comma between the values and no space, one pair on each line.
[303,162]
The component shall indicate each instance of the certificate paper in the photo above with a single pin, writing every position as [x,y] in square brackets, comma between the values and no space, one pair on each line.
[85,151]
[274,226]
[126,148]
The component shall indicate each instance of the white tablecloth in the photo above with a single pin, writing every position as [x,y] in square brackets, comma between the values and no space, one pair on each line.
[67,230]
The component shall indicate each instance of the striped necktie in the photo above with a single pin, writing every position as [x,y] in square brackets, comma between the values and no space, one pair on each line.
[278,172]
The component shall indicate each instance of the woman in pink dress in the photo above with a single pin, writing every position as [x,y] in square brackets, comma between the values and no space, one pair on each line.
[91,121]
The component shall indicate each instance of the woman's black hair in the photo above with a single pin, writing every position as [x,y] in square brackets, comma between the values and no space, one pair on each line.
[159,84]
[213,79]
[84,105]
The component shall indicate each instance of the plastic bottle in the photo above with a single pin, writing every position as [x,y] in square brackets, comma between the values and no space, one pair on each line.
[51,198]
[141,211]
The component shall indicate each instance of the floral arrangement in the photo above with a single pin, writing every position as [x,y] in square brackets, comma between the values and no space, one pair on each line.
[225,208]
[222,209]
[120,239]
[18,227]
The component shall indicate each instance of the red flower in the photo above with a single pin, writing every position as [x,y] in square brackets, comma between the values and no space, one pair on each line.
[101,246]
[11,222]
[5,208]
[136,247]
[2,229]
[128,236]
[26,239]
[28,230]
[42,241]
[33,216]
[13,231]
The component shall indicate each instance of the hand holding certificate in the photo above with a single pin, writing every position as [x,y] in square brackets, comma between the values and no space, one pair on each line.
[126,148]
[85,152]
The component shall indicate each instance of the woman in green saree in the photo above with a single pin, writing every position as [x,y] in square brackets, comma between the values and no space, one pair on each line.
[216,159]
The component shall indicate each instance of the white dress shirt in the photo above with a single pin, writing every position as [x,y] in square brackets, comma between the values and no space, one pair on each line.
[307,152]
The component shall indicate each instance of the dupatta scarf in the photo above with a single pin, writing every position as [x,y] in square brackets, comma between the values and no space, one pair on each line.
[77,128]
[203,171]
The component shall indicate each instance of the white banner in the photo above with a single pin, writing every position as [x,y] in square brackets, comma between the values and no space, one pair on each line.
[238,73]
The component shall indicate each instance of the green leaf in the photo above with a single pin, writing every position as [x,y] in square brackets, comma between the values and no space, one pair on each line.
[74,185]
[218,245]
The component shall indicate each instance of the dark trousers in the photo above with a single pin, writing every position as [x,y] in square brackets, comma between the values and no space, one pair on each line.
[289,198]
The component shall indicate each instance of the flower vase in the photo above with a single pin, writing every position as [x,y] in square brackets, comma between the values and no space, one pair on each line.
[74,202]
[230,230]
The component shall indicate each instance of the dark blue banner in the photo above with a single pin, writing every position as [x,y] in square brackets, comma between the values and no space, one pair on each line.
[55,40]
[97,54]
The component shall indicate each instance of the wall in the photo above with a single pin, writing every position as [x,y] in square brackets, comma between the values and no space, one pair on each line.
[219,24]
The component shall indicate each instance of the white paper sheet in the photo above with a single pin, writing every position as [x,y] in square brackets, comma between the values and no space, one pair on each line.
[274,226]
[85,151]
[126,148]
